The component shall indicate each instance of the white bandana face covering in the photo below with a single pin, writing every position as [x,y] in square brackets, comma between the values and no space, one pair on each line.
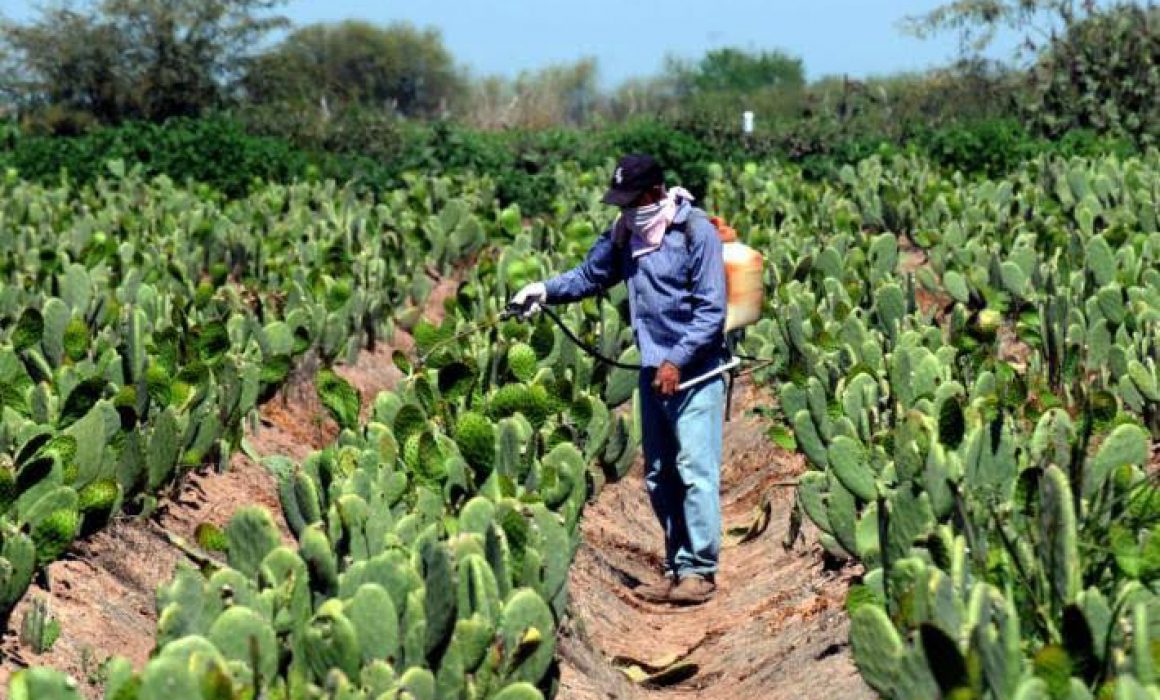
[647,224]
[643,219]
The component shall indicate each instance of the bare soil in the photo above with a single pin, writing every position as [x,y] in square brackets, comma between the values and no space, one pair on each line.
[776,628]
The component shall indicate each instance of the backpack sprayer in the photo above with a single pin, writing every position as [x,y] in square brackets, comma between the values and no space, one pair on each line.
[744,296]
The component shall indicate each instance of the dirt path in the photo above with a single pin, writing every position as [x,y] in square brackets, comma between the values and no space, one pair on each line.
[103,591]
[776,629]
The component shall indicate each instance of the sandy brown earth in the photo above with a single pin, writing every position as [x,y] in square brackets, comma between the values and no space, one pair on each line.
[776,628]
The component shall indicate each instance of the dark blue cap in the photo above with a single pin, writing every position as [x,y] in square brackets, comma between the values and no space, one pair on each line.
[634,174]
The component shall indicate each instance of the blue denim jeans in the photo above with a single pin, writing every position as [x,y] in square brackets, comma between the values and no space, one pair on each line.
[682,471]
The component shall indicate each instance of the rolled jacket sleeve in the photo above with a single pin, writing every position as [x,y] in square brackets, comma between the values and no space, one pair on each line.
[707,296]
[601,269]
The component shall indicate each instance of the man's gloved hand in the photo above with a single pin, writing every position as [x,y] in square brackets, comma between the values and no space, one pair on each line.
[667,379]
[529,299]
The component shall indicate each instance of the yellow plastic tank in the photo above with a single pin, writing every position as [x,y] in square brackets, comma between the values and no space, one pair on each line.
[744,286]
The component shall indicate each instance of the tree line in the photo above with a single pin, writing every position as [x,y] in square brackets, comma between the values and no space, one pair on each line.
[70,68]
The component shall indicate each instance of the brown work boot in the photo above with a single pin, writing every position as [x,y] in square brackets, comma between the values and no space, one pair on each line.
[692,590]
[655,592]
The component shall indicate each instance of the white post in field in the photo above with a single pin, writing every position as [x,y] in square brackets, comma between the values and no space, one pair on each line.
[747,122]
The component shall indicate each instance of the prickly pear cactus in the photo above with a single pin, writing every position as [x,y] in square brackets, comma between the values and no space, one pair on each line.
[251,534]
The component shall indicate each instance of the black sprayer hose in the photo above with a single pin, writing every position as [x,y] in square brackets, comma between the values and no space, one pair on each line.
[765,361]
[585,346]
[512,311]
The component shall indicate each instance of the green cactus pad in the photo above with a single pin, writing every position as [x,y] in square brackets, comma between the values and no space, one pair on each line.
[251,534]
[519,691]
[475,435]
[339,397]
[331,642]
[54,534]
[42,684]
[522,361]
[849,462]
[528,631]
[240,632]
[376,622]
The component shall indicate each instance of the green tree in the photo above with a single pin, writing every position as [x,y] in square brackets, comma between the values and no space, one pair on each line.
[978,22]
[1092,67]
[355,62]
[1103,74]
[66,60]
[133,59]
[732,70]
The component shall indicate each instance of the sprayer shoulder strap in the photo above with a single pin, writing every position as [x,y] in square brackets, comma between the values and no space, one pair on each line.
[683,226]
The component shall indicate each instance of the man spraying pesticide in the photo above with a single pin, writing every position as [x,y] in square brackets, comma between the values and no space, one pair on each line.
[672,257]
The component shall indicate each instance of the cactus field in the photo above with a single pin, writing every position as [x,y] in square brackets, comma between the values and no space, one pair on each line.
[967,371]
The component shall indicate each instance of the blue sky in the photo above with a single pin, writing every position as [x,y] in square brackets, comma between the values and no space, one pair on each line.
[632,37]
